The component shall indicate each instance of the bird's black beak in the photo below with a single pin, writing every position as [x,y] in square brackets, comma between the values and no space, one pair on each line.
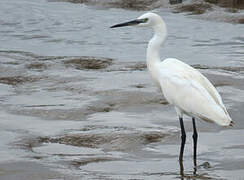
[129,23]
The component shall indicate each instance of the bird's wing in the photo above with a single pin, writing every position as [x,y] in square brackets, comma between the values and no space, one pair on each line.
[189,90]
[188,72]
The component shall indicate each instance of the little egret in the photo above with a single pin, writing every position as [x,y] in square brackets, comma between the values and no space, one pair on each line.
[184,87]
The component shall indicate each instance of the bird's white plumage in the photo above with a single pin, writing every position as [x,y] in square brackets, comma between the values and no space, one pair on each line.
[186,88]
[190,92]
[183,86]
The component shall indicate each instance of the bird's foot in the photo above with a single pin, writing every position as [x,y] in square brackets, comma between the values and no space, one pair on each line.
[231,123]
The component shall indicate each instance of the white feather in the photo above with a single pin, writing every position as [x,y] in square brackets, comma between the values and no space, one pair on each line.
[183,86]
[191,92]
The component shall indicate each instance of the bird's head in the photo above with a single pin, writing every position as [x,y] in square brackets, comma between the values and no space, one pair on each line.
[146,20]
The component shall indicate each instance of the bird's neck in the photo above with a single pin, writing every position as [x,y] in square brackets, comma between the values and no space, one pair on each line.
[153,49]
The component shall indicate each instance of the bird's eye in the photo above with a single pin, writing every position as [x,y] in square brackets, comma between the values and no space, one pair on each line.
[145,20]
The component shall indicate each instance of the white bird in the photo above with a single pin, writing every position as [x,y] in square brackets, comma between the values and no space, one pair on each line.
[190,92]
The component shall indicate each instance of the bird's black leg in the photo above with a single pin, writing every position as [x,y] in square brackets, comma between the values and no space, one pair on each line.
[194,136]
[183,139]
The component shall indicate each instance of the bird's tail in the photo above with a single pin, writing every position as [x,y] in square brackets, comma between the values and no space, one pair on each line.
[220,117]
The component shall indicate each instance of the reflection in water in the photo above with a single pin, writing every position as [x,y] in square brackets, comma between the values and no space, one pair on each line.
[193,174]
[181,169]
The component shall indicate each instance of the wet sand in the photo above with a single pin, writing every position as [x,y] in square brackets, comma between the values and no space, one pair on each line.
[97,129]
[27,170]
[78,109]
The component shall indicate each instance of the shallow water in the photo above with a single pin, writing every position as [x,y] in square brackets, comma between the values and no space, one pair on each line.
[75,104]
